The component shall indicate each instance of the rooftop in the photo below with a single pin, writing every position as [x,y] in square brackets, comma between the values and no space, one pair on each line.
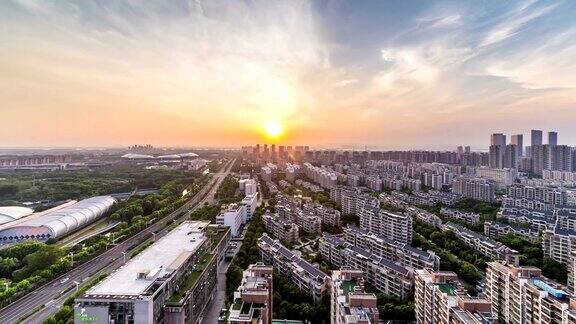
[158,260]
[347,286]
[191,278]
[447,288]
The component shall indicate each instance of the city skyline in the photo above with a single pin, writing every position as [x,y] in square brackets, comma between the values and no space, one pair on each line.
[389,75]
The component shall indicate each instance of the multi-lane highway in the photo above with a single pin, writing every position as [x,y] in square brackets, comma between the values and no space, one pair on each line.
[45,300]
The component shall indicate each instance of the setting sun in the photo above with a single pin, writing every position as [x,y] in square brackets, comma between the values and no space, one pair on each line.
[273,128]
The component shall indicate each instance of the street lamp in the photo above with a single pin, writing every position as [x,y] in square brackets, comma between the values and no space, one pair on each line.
[153,236]
[124,256]
[71,258]
[77,285]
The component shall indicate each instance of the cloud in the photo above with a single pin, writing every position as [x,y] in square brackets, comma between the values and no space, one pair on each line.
[514,21]
[448,21]
[346,82]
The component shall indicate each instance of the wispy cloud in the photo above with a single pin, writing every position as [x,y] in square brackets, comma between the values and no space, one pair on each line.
[513,21]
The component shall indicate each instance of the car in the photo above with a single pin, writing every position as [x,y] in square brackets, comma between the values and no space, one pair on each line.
[64,280]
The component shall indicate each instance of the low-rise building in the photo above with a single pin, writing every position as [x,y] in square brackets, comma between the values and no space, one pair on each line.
[349,303]
[171,281]
[304,275]
[486,246]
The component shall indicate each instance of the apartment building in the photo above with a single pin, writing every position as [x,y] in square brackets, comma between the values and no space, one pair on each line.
[502,177]
[248,186]
[425,216]
[565,218]
[306,222]
[352,200]
[253,299]
[401,253]
[455,213]
[429,198]
[486,246]
[546,302]
[327,215]
[474,188]
[304,275]
[571,287]
[539,220]
[233,216]
[374,183]
[521,295]
[497,229]
[396,227]
[558,244]
[250,203]
[324,177]
[440,298]
[349,303]
[539,198]
[387,276]
[292,171]
[280,228]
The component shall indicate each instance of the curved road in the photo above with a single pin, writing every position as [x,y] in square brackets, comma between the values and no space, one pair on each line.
[56,291]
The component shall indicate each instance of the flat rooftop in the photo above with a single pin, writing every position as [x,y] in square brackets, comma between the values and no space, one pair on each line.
[158,260]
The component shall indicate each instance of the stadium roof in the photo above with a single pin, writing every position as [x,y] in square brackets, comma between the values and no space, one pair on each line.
[11,213]
[60,220]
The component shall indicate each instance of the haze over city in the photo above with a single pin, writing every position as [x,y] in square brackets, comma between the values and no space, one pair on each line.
[382,74]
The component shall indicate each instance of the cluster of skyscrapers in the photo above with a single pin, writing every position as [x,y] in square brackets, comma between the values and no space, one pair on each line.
[534,158]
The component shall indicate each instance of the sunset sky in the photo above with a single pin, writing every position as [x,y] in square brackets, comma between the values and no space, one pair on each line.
[386,74]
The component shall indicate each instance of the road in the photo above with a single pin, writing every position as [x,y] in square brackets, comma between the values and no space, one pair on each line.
[213,310]
[60,288]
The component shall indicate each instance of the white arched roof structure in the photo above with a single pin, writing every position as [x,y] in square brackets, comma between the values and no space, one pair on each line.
[12,213]
[133,156]
[56,222]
